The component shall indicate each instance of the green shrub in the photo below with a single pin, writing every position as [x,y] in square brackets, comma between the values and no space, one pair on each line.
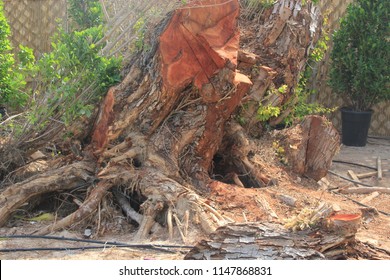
[361,55]
[302,107]
[11,81]
[68,82]
[86,13]
[73,76]
[6,59]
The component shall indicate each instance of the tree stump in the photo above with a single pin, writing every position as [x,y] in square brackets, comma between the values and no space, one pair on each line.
[158,131]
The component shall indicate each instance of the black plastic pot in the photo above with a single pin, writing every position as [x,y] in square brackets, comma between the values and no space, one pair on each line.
[355,127]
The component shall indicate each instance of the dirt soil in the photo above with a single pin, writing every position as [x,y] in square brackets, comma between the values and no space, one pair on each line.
[241,204]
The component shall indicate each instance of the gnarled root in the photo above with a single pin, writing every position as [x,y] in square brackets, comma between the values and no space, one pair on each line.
[86,209]
[65,178]
[180,206]
[234,165]
[115,176]
[166,204]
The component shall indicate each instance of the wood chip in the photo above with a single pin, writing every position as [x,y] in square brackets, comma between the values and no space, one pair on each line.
[369,197]
[262,202]
[379,168]
[354,177]
[37,155]
[366,190]
[286,199]
[366,175]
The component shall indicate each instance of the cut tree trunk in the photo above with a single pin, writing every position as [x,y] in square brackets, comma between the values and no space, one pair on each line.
[284,37]
[310,146]
[159,130]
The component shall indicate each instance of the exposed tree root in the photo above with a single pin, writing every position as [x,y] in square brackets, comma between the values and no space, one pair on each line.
[87,208]
[234,161]
[64,178]
[180,206]
[177,203]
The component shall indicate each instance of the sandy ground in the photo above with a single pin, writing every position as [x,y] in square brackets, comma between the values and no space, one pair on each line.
[242,204]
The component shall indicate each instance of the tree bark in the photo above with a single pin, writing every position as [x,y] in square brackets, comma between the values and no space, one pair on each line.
[284,39]
[269,242]
[310,146]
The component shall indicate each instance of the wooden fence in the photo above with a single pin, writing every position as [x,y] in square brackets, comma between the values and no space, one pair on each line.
[33,22]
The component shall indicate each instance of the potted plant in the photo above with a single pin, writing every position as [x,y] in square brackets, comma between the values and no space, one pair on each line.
[361,65]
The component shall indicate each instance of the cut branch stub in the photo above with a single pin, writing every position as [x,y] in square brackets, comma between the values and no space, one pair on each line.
[310,146]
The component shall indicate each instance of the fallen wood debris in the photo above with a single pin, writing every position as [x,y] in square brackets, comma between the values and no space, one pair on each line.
[379,168]
[354,177]
[349,180]
[332,239]
[262,202]
[369,197]
[286,199]
[326,185]
[271,242]
[359,203]
[362,190]
[366,175]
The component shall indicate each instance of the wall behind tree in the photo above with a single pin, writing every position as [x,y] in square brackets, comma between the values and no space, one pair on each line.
[33,22]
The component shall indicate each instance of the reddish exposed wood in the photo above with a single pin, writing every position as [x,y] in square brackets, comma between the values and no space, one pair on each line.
[344,223]
[195,44]
[100,134]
